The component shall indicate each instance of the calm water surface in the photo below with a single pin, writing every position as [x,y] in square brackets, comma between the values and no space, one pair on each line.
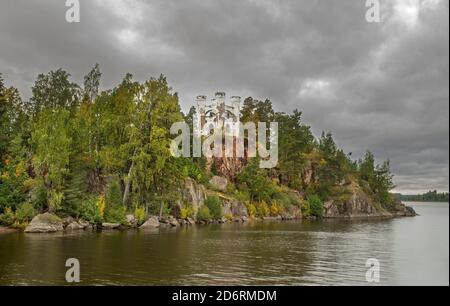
[411,251]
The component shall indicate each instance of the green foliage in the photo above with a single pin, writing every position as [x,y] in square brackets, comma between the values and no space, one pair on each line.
[7,218]
[69,141]
[334,167]
[315,206]
[140,214]
[115,211]
[90,210]
[379,179]
[430,196]
[116,214]
[186,212]
[113,194]
[255,182]
[242,196]
[51,141]
[251,210]
[203,214]
[283,199]
[25,213]
[214,206]
[54,90]
[263,209]
[306,208]
[295,139]
[276,209]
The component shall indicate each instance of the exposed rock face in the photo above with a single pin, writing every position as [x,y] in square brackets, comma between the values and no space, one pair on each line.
[233,208]
[401,210]
[227,166]
[219,183]
[194,194]
[152,222]
[361,205]
[45,223]
[292,212]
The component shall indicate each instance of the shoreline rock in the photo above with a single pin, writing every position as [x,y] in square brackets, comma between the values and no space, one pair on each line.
[4,230]
[45,223]
[151,222]
[110,226]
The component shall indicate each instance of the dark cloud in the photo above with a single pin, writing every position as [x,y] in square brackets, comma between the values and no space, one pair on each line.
[382,87]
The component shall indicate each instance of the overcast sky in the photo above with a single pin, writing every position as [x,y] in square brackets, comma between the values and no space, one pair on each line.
[378,86]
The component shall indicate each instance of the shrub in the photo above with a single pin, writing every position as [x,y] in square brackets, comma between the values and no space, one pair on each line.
[55,199]
[305,207]
[242,196]
[186,212]
[113,194]
[90,210]
[214,206]
[276,209]
[282,198]
[139,214]
[316,206]
[25,213]
[263,209]
[7,218]
[101,205]
[228,216]
[203,214]
[251,210]
[115,211]
[116,214]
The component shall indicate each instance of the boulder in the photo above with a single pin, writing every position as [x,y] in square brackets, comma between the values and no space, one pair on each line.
[173,222]
[74,225]
[401,210]
[152,222]
[45,223]
[219,183]
[84,224]
[131,220]
[66,221]
[190,221]
[223,220]
[287,216]
[110,226]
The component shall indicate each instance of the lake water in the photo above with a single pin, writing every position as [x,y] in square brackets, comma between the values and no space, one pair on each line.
[411,251]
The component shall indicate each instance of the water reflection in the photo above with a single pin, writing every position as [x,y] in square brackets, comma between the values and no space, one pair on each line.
[410,250]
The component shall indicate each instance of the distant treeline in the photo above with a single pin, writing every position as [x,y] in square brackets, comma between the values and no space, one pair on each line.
[430,196]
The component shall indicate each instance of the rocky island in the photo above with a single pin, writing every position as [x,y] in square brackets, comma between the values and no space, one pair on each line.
[75,158]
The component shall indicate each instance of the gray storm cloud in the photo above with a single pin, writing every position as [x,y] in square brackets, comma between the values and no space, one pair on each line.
[377,86]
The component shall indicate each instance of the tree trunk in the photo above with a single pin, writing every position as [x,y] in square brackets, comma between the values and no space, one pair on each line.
[127,184]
